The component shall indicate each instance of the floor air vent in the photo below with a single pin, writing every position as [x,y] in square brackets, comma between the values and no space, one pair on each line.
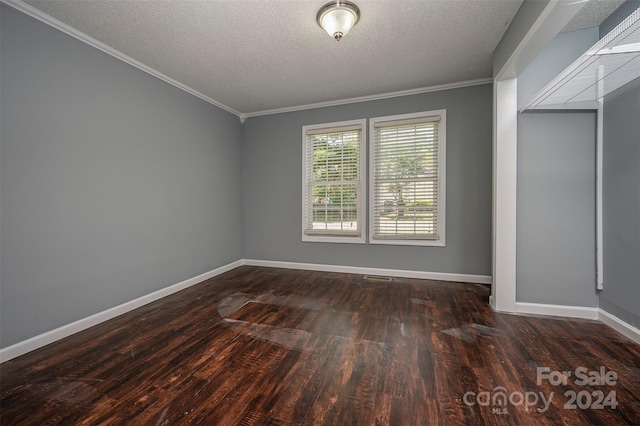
[377,278]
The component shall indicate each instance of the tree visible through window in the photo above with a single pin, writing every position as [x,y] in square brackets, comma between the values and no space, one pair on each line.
[407,179]
[333,186]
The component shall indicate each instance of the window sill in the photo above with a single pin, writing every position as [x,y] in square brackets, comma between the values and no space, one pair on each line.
[333,239]
[407,242]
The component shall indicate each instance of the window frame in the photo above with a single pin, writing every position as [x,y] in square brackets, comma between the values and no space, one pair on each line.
[440,241]
[329,237]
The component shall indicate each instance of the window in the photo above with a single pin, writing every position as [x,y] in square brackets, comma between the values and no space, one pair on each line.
[333,191]
[407,179]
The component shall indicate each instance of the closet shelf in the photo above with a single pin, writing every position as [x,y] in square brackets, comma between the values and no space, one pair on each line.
[610,64]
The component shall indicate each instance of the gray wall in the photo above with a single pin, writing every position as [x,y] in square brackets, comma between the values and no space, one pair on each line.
[621,207]
[529,11]
[272,173]
[559,54]
[114,184]
[556,188]
[556,208]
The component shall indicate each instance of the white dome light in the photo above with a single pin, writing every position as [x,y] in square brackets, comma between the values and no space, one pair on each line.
[338,17]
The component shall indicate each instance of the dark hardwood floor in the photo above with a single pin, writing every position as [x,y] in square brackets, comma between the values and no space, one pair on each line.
[261,346]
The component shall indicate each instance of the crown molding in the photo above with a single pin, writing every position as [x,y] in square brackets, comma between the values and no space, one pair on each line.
[79,35]
[69,30]
[377,97]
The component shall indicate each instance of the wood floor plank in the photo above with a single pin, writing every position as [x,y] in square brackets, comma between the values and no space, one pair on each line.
[267,346]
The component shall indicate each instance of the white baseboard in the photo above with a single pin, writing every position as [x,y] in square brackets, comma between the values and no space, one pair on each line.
[583,312]
[620,326]
[51,336]
[441,276]
[41,340]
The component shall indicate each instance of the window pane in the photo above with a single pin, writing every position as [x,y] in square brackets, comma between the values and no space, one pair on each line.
[407,207]
[335,207]
[332,199]
[406,176]
[335,156]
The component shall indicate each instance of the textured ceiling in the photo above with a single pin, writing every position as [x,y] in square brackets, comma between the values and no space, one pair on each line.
[257,55]
[592,14]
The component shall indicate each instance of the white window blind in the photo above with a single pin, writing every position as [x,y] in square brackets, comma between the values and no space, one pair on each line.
[407,173]
[332,189]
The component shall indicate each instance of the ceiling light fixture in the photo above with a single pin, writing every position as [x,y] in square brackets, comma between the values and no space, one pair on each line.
[338,17]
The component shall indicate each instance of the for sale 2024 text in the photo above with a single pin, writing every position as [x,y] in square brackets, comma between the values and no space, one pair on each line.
[582,376]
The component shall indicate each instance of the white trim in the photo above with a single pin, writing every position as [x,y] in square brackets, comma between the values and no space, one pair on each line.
[319,237]
[551,20]
[377,97]
[599,182]
[583,312]
[587,71]
[48,337]
[440,276]
[374,122]
[51,336]
[621,48]
[505,175]
[620,326]
[69,30]
[336,238]
[508,70]
[583,105]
